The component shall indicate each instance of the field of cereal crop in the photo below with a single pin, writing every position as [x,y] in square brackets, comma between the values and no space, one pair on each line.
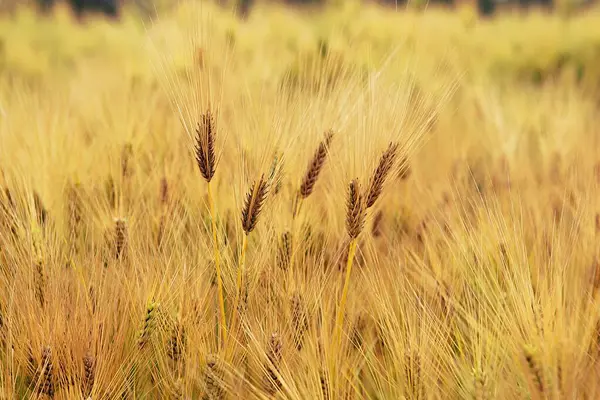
[350,202]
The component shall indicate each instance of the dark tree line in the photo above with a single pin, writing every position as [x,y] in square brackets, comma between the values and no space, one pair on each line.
[110,8]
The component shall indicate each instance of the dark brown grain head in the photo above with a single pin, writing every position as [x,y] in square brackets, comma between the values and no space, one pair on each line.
[386,162]
[324,384]
[177,342]
[214,378]
[316,165]
[275,347]
[536,373]
[164,190]
[299,319]
[47,375]
[205,146]
[377,224]
[121,238]
[274,354]
[253,204]
[126,155]
[284,253]
[111,191]
[40,211]
[595,272]
[355,210]
[89,375]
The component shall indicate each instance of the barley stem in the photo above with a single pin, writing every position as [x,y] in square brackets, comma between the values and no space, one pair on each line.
[239,283]
[296,209]
[339,323]
[223,321]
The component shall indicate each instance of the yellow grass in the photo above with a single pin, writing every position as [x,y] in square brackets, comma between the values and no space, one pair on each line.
[480,281]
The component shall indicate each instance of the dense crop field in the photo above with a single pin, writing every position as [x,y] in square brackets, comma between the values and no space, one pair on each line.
[343,203]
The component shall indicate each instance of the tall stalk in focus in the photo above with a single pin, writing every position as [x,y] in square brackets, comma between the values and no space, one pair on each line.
[206,159]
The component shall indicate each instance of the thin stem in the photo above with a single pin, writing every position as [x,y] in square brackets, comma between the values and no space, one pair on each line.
[223,320]
[342,308]
[239,283]
[295,210]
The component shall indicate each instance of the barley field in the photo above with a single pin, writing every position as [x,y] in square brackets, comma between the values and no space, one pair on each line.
[348,202]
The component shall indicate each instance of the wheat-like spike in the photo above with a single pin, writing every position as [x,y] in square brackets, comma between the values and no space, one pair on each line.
[480,385]
[40,283]
[47,378]
[177,342]
[359,330]
[213,379]
[276,174]
[89,374]
[164,190]
[355,214]
[74,209]
[413,374]
[386,162]
[253,204]
[377,223]
[38,261]
[299,319]
[324,385]
[121,238]
[316,165]
[110,191]
[40,211]
[126,154]
[9,198]
[284,254]
[178,389]
[205,146]
[595,277]
[534,369]
[147,325]
[274,355]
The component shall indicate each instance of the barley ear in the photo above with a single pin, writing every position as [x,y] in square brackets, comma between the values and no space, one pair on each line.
[205,146]
[386,162]
[316,165]
[355,214]
[253,204]
[214,379]
[89,369]
[148,324]
[46,376]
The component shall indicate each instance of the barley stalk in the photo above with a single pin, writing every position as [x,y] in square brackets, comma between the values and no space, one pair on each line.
[386,162]
[355,219]
[207,163]
[217,258]
[308,183]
